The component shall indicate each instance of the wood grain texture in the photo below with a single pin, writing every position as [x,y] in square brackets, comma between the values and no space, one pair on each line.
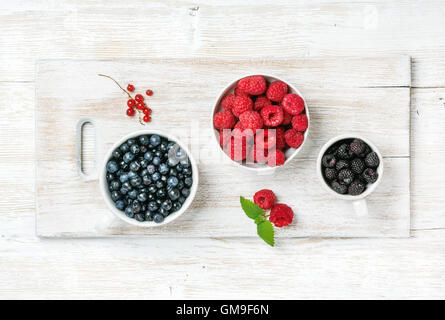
[65,205]
[86,30]
[211,268]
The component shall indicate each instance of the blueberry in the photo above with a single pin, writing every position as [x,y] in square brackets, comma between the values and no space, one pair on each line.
[123,191]
[181,200]
[187,172]
[109,176]
[185,163]
[161,194]
[143,149]
[151,197]
[156,161]
[112,166]
[135,149]
[163,168]
[159,184]
[152,189]
[173,194]
[124,147]
[149,216]
[133,194]
[128,157]
[163,146]
[120,204]
[126,185]
[135,166]
[144,163]
[176,206]
[148,156]
[158,218]
[144,172]
[116,154]
[140,217]
[172,181]
[155,176]
[152,206]
[163,212]
[142,197]
[129,212]
[155,140]
[179,168]
[173,172]
[143,140]
[180,185]
[146,180]
[172,161]
[188,181]
[132,175]
[131,142]
[185,192]
[151,169]
[170,145]
[166,205]
[136,182]
[123,178]
[115,195]
[158,154]
[123,165]
[136,206]
[115,185]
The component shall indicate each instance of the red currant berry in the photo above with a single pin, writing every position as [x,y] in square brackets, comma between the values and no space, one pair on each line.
[130,87]
[140,106]
[139,97]
[147,118]
[131,103]
[149,92]
[130,112]
[147,111]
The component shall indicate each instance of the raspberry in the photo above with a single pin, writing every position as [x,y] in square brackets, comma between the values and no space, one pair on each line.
[293,138]
[223,120]
[241,105]
[276,91]
[238,125]
[287,118]
[251,120]
[224,137]
[238,92]
[293,104]
[300,122]
[237,149]
[281,141]
[266,139]
[272,115]
[254,85]
[259,154]
[281,215]
[240,131]
[265,199]
[227,102]
[275,158]
[261,102]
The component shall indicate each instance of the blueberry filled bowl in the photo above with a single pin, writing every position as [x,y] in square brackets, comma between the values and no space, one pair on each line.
[148,178]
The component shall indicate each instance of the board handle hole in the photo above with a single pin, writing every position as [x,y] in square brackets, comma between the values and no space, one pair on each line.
[88,148]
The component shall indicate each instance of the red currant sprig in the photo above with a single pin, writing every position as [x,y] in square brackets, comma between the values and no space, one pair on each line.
[137,101]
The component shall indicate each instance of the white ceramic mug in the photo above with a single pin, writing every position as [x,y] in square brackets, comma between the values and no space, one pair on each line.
[358,202]
[120,214]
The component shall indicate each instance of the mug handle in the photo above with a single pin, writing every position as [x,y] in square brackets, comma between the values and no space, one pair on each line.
[360,207]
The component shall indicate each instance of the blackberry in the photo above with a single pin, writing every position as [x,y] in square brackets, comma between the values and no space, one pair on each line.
[357,165]
[356,188]
[370,175]
[367,150]
[345,176]
[372,160]
[357,146]
[328,161]
[343,152]
[341,164]
[330,173]
[339,188]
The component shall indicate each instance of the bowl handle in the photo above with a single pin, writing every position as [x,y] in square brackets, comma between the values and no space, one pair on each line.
[79,132]
[360,207]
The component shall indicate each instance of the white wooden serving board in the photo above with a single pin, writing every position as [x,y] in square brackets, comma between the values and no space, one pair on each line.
[367,95]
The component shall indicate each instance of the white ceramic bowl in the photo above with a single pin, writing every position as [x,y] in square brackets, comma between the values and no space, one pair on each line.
[290,153]
[359,201]
[120,214]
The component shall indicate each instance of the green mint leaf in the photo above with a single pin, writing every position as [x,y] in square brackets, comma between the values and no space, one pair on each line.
[259,219]
[251,209]
[266,232]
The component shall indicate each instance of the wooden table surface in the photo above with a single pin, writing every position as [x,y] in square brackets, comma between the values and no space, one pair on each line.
[231,267]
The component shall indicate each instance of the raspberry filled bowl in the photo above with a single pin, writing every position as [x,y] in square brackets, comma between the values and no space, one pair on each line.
[260,122]
[148,178]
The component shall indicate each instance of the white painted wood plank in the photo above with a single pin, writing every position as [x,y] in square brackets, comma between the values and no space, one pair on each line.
[223,268]
[65,205]
[38,29]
